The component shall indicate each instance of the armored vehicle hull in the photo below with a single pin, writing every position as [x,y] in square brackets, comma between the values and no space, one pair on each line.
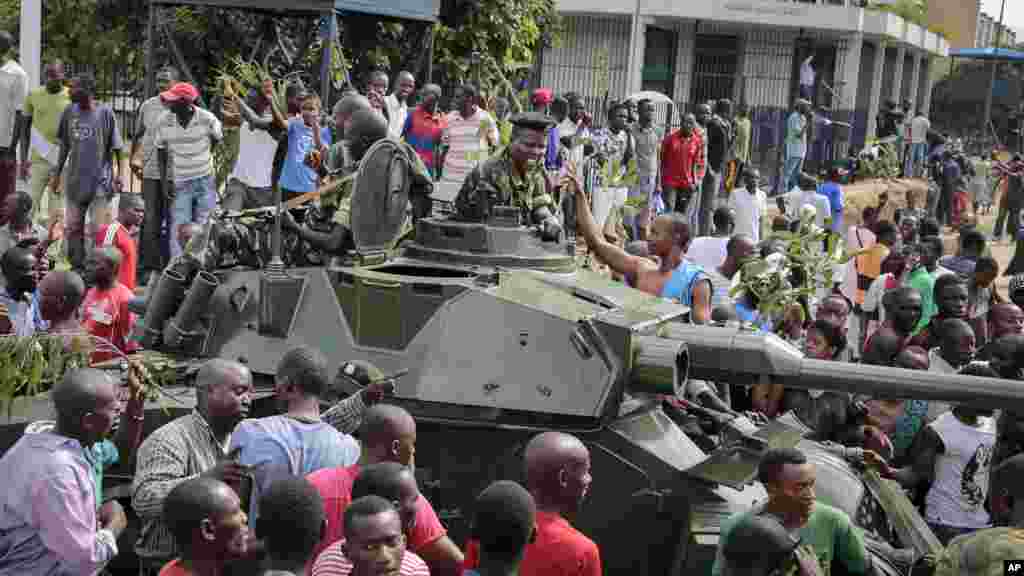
[501,338]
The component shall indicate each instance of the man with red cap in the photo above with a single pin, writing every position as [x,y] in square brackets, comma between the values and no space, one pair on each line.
[186,135]
[542,99]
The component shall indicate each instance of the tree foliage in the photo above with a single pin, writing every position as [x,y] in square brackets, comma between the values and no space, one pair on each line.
[102,34]
[110,34]
[505,33]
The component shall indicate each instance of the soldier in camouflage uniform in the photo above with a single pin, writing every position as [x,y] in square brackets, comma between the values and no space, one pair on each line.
[983,553]
[365,127]
[514,177]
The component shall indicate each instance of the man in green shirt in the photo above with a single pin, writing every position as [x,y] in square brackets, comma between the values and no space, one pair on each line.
[42,110]
[922,277]
[789,479]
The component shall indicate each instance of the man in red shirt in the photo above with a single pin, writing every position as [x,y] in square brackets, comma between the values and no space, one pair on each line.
[425,127]
[388,434]
[558,477]
[119,235]
[683,164]
[394,483]
[208,522]
[105,310]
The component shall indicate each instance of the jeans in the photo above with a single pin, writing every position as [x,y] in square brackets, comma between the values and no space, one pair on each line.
[8,172]
[918,154]
[154,245]
[676,199]
[193,201]
[932,203]
[791,173]
[997,232]
[643,189]
[75,230]
[708,193]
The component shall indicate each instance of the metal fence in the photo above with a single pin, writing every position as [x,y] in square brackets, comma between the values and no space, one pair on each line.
[116,87]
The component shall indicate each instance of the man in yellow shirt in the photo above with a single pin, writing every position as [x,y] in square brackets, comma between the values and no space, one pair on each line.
[42,110]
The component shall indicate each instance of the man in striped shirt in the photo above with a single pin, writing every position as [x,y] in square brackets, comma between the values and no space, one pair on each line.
[196,444]
[471,130]
[187,135]
[374,544]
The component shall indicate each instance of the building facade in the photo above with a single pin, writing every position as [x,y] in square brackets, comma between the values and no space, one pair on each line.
[750,51]
[989,31]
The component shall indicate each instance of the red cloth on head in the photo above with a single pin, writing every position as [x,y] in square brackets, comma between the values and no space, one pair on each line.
[180,91]
[543,96]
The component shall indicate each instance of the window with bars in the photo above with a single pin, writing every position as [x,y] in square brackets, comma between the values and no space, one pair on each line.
[715,67]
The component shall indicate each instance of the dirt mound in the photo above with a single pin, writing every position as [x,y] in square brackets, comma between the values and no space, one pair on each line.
[860,195]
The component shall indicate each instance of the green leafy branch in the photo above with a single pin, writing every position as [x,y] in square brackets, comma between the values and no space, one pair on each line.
[32,365]
[615,175]
[771,281]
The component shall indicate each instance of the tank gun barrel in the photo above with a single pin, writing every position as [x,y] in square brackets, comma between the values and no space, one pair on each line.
[740,356]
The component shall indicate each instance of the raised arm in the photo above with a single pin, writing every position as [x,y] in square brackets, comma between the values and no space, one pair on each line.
[927,447]
[255,121]
[612,255]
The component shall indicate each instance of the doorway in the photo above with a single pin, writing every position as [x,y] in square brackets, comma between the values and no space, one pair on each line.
[715,65]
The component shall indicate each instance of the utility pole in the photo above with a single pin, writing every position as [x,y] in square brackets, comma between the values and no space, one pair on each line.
[30,41]
[993,66]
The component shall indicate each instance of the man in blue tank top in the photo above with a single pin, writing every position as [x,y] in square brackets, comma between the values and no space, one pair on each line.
[671,277]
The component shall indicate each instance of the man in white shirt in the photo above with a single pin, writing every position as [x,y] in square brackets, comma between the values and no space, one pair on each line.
[807,79]
[952,454]
[251,184]
[13,93]
[396,103]
[575,128]
[710,251]
[187,135]
[807,193]
[919,127]
[750,205]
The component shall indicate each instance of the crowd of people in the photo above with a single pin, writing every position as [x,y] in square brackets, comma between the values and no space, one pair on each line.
[297,493]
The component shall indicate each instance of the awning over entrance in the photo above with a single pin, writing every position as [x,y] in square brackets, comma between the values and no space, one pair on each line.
[408,9]
[1001,54]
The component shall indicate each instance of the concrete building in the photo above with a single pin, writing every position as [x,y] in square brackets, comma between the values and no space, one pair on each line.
[985,32]
[988,31]
[957,19]
[751,52]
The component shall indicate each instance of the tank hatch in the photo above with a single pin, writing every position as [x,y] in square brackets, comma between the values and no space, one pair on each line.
[380,197]
[445,239]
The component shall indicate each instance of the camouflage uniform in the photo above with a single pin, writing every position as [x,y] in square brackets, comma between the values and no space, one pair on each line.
[981,553]
[495,179]
[340,197]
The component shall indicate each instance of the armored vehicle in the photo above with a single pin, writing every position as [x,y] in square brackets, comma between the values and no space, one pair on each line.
[502,338]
